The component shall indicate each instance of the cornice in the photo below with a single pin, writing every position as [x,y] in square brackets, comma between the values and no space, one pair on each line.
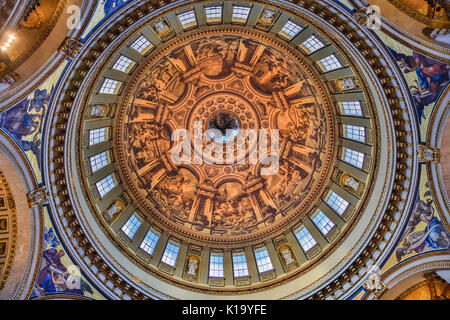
[64,207]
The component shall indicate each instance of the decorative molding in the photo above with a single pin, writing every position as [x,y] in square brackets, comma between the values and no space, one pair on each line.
[24,171]
[415,266]
[71,48]
[8,223]
[387,222]
[38,197]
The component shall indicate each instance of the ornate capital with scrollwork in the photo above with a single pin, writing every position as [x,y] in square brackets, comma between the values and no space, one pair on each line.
[71,48]
[428,154]
[38,197]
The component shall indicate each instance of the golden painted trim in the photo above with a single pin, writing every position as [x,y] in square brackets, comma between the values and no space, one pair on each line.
[438,187]
[12,239]
[37,219]
[388,221]
[326,253]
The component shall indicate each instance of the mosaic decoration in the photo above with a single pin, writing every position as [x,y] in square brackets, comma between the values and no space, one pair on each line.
[103,9]
[427,78]
[24,122]
[58,275]
[424,231]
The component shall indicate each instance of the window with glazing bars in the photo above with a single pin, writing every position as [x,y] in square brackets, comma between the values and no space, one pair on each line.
[170,254]
[241,13]
[337,203]
[149,242]
[187,18]
[356,133]
[323,223]
[291,28]
[355,158]
[123,63]
[140,44]
[109,86]
[131,226]
[213,12]
[105,185]
[352,108]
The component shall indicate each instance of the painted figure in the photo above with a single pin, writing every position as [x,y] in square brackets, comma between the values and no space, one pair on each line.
[25,119]
[432,78]
[434,236]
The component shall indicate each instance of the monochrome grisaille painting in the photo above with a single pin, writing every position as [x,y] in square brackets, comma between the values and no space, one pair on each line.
[236,150]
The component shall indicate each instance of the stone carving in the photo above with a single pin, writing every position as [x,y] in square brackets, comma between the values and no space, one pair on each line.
[287,255]
[192,267]
[115,209]
[71,48]
[38,197]
[428,154]
[99,111]
[373,281]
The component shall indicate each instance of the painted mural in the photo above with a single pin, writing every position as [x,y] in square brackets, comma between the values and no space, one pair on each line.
[427,78]
[58,275]
[432,78]
[25,121]
[437,10]
[424,231]
[103,9]
[202,196]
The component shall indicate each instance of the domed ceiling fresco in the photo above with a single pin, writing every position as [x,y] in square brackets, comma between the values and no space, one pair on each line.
[254,150]
[206,82]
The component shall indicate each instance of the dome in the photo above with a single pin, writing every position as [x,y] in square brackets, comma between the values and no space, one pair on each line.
[310,164]
[202,150]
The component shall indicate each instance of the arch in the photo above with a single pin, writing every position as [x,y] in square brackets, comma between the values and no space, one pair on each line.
[439,172]
[20,177]
[410,272]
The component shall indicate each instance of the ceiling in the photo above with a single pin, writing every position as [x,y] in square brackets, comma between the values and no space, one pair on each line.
[165,75]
